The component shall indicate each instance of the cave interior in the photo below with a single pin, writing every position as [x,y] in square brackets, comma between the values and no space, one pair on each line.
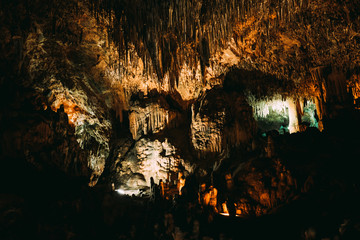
[179,119]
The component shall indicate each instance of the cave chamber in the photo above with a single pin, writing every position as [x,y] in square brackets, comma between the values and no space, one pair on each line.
[179,119]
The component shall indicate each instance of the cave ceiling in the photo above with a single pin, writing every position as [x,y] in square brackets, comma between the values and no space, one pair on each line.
[166,42]
[286,39]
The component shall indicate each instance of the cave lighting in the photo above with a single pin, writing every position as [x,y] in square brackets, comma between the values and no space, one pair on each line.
[228,215]
[120,191]
[128,192]
[226,212]
[262,108]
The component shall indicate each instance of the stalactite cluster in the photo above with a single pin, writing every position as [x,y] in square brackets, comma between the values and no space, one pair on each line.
[167,34]
[149,119]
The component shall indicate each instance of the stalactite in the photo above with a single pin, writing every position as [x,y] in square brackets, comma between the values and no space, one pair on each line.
[183,22]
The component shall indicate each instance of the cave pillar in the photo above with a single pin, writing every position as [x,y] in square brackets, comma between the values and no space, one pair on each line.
[293,115]
[319,113]
[300,106]
[300,112]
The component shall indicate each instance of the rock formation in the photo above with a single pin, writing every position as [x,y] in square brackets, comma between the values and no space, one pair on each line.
[151,118]
[221,120]
[149,159]
[119,91]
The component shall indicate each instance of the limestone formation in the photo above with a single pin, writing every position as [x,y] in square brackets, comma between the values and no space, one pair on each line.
[221,120]
[119,91]
[147,159]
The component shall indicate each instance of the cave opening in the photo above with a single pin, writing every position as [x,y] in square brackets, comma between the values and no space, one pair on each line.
[179,119]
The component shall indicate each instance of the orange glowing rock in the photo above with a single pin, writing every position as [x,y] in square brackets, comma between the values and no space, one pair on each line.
[70,108]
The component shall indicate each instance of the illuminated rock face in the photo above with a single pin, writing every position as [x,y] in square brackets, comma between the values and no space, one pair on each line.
[61,66]
[147,159]
[151,118]
[270,114]
[293,116]
[56,72]
[290,115]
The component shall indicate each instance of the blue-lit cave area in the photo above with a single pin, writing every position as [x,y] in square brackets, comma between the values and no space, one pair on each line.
[179,119]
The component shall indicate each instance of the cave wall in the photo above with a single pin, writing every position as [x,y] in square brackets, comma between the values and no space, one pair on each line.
[59,64]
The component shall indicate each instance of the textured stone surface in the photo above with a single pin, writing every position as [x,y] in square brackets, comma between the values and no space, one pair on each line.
[57,71]
[221,120]
[77,54]
[149,158]
[266,184]
[151,118]
[125,90]
[270,114]
[61,64]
